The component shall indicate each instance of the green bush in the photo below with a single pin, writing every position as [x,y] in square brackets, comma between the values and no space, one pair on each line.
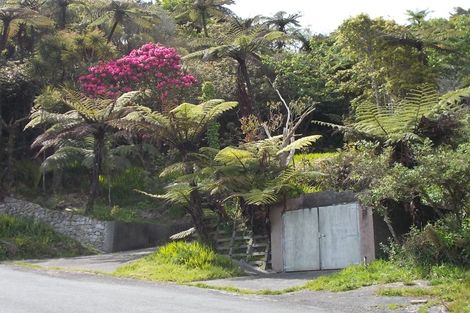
[23,238]
[193,255]
[180,262]
[446,241]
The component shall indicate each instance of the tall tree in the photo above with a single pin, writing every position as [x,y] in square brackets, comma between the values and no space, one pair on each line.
[417,17]
[85,117]
[386,60]
[281,21]
[182,129]
[62,7]
[243,42]
[11,14]
[121,12]
[202,11]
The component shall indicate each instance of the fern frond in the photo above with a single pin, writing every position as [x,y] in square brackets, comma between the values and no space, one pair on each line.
[126,99]
[65,157]
[173,169]
[231,156]
[300,143]
[213,111]
[259,197]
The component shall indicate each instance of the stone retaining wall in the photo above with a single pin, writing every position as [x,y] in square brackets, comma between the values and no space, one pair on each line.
[86,230]
[105,236]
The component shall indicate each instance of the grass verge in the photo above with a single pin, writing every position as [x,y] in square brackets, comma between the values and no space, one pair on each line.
[353,277]
[180,262]
[448,285]
[22,238]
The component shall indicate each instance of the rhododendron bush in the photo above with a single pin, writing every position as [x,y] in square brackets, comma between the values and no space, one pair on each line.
[152,66]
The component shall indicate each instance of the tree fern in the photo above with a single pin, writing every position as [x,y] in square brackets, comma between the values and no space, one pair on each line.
[86,117]
[231,156]
[401,121]
[300,143]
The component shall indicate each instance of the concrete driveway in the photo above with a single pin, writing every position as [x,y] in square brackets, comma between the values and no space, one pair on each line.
[268,281]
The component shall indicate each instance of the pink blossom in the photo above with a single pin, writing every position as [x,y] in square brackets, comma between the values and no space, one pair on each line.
[150,65]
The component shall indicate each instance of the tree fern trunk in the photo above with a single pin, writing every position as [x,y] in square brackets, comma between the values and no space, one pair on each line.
[244,89]
[111,32]
[195,207]
[97,166]
[197,215]
[4,37]
[12,133]
[204,23]
[63,16]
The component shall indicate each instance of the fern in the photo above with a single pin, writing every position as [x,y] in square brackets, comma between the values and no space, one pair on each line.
[65,156]
[234,156]
[172,170]
[300,143]
[259,197]
[400,122]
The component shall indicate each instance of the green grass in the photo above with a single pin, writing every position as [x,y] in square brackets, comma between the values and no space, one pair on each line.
[353,277]
[22,238]
[180,262]
[449,284]
[395,306]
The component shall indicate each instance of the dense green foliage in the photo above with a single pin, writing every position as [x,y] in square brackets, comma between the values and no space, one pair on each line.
[25,239]
[446,241]
[180,262]
[376,107]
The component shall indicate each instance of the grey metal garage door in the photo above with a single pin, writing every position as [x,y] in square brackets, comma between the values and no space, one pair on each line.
[321,238]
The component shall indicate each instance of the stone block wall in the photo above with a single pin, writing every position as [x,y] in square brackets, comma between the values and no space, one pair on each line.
[88,231]
[104,236]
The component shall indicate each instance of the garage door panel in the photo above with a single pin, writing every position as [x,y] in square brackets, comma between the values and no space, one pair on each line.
[301,244]
[340,239]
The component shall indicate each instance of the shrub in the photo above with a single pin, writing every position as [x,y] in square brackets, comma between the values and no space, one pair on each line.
[180,262]
[151,66]
[192,255]
[446,241]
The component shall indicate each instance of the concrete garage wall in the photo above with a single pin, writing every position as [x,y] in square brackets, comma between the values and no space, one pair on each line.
[104,236]
[318,200]
[129,236]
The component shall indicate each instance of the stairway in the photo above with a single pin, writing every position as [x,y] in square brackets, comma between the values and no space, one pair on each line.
[238,242]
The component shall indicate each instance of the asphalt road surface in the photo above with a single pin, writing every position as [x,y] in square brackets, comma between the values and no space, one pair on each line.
[33,291]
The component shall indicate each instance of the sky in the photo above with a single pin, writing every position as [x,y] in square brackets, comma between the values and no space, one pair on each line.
[324,16]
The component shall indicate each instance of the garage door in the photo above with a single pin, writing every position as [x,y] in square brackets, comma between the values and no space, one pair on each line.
[321,238]
[301,254]
[340,240]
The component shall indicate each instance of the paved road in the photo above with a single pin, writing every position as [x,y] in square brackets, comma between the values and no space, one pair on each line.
[107,263]
[31,291]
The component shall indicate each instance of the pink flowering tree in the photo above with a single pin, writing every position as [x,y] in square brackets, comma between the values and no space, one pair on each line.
[151,67]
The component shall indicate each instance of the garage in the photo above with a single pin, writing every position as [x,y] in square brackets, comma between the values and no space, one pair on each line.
[321,231]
